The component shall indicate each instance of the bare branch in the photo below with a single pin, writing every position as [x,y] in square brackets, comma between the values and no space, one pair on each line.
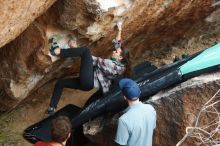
[206,133]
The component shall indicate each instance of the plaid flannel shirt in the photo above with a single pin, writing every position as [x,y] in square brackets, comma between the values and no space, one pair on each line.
[104,71]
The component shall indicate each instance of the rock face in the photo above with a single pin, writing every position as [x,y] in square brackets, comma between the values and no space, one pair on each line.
[152,30]
[16,16]
[176,109]
[155,27]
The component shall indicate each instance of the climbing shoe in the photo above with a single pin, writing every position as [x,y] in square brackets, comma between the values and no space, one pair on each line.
[51,110]
[52,49]
[54,45]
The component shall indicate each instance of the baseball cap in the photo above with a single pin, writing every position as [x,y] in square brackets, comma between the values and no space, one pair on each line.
[130,89]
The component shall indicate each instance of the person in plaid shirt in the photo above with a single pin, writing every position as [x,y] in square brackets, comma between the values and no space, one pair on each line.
[94,71]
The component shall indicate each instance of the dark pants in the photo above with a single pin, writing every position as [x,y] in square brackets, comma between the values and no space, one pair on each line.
[84,82]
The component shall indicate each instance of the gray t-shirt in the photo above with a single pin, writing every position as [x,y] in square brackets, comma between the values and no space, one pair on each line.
[135,127]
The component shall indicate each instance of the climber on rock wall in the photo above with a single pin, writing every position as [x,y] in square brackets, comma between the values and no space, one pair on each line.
[94,71]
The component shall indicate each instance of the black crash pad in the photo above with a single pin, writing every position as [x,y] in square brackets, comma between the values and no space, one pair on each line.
[41,130]
[143,68]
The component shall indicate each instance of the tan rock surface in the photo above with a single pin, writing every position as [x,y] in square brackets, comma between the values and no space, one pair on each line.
[16,16]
